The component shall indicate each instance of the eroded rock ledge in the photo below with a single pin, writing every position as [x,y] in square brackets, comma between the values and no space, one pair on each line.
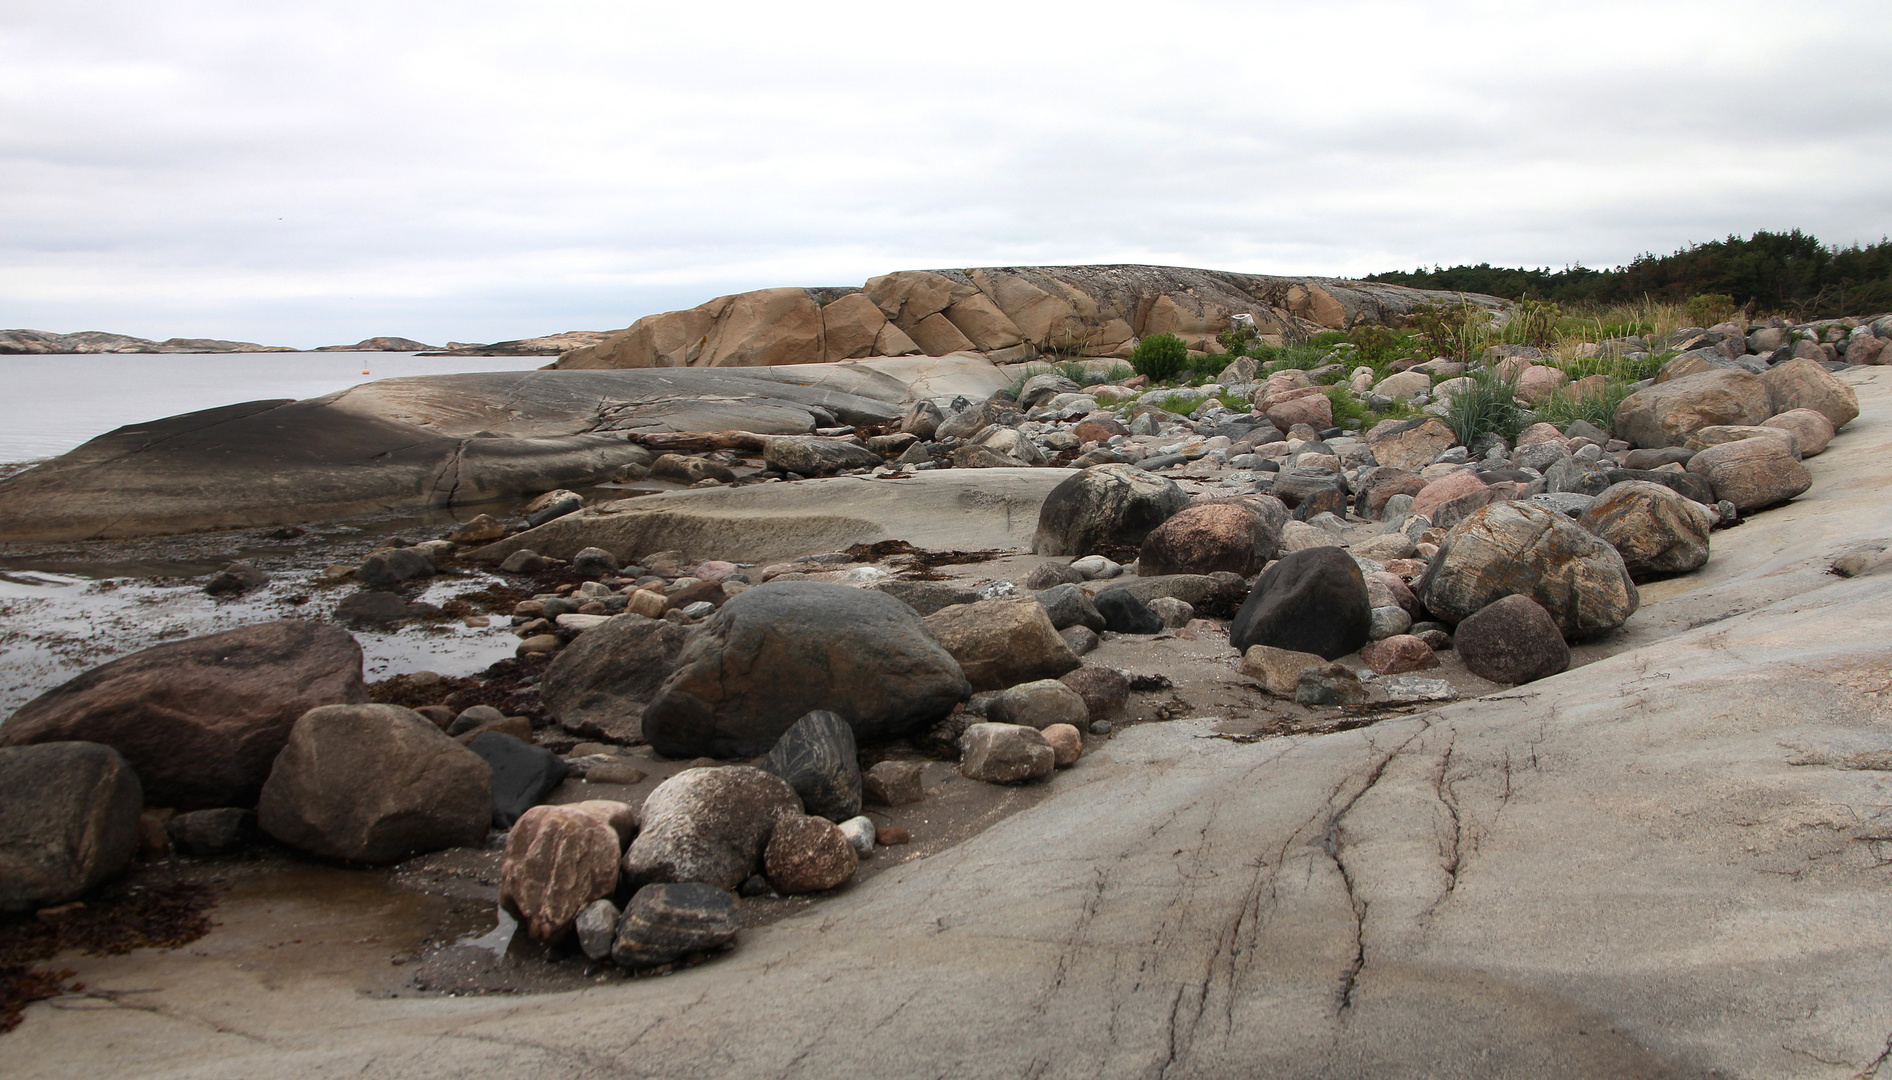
[1007,313]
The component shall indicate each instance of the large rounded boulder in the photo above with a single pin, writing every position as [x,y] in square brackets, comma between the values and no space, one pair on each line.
[1517,549]
[200,721]
[1752,473]
[1654,529]
[1238,536]
[779,651]
[709,825]
[1001,643]
[1667,413]
[68,821]
[1106,505]
[1804,384]
[1512,640]
[1311,601]
[375,784]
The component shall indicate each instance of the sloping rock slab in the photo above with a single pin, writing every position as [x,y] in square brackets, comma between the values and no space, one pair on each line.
[412,443]
[962,510]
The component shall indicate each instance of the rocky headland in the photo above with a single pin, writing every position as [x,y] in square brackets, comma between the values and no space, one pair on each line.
[1319,712]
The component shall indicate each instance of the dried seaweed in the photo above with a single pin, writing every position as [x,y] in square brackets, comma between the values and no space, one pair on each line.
[21,985]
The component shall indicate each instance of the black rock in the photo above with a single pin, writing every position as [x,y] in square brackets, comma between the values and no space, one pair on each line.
[1125,614]
[776,652]
[1068,605]
[1312,601]
[523,774]
[817,758]
[594,562]
[393,566]
[1161,461]
[237,578]
[1104,505]
[222,831]
[663,923]
[375,608]
[1493,476]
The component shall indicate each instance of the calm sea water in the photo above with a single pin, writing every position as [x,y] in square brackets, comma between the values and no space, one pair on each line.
[54,403]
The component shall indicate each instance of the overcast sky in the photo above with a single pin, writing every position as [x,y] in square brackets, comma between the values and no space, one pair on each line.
[314,173]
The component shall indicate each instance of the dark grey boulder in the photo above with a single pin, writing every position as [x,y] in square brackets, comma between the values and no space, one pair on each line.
[817,758]
[68,821]
[203,833]
[393,566]
[376,609]
[202,720]
[665,923]
[1311,601]
[1125,614]
[234,580]
[599,684]
[523,774]
[1108,505]
[553,504]
[809,456]
[779,651]
[1069,605]
[594,562]
[1575,474]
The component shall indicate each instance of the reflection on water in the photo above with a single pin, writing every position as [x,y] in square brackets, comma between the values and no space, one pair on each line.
[54,626]
[54,403]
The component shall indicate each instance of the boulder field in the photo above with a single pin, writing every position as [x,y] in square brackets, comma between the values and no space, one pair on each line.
[1664,862]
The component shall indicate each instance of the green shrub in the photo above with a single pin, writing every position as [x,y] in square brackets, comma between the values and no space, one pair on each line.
[1286,357]
[1708,309]
[1160,356]
[1380,344]
[1487,407]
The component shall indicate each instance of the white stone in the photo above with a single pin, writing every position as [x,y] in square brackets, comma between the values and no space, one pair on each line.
[860,834]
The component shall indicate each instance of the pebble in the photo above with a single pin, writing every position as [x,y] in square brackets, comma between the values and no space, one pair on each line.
[891,836]
[860,834]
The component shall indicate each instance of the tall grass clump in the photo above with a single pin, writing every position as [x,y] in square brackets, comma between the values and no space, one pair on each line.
[1456,331]
[1487,407]
[1565,405]
[1349,411]
[1162,357]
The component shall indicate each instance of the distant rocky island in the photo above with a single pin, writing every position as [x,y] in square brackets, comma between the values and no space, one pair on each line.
[41,342]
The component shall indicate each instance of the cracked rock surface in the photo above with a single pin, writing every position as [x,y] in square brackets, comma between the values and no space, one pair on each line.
[1670,862]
